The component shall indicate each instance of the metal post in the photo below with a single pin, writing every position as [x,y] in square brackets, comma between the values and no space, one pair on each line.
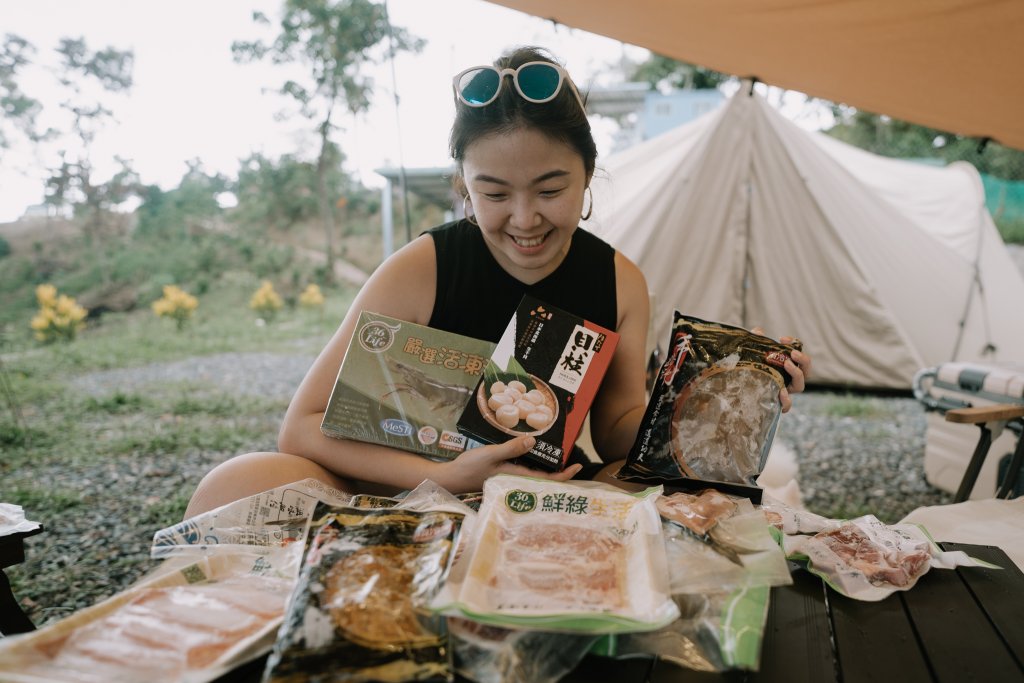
[387,219]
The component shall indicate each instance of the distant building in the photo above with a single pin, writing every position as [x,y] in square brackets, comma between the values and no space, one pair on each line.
[642,112]
[39,211]
[663,112]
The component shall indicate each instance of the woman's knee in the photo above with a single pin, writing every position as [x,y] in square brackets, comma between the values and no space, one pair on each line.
[251,473]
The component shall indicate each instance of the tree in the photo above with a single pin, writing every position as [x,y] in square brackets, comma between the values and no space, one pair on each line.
[894,138]
[334,40]
[661,71]
[278,194]
[18,111]
[186,211]
[71,183]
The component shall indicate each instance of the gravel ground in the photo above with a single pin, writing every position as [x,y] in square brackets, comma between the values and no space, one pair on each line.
[847,466]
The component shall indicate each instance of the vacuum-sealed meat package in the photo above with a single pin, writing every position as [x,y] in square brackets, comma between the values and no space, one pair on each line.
[357,610]
[713,408]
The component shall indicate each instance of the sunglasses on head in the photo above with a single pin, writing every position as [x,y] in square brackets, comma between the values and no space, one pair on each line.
[537,82]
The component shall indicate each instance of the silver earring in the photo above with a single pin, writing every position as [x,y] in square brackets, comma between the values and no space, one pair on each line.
[590,209]
[465,211]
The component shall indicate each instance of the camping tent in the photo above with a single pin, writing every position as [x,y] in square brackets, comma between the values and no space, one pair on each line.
[947,64]
[880,266]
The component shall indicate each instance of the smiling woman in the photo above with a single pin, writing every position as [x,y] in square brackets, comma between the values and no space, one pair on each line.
[524,156]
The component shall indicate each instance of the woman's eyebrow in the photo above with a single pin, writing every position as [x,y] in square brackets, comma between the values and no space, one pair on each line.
[558,173]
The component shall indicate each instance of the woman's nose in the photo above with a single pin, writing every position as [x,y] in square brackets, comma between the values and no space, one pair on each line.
[525,214]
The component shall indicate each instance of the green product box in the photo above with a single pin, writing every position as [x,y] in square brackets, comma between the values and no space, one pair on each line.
[404,385]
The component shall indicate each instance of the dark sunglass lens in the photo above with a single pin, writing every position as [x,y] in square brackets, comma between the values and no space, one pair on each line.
[477,87]
[538,81]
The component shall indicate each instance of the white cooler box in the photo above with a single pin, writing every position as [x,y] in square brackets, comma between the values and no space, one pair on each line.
[949,446]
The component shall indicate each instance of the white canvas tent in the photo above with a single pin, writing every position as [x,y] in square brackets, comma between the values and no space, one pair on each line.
[881,266]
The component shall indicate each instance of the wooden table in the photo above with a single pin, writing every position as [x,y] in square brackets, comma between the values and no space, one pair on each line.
[12,551]
[953,626]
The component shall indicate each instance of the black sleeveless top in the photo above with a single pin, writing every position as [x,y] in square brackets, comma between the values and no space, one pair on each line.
[475,296]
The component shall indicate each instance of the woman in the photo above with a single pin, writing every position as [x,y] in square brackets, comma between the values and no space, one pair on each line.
[524,158]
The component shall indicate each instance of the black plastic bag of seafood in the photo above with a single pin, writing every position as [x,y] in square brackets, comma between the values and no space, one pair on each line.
[713,409]
[356,613]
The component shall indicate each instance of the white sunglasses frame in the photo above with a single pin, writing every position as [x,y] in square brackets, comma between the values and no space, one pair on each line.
[563,78]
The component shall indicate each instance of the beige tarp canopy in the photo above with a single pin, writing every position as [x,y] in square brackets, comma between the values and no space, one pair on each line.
[955,65]
[743,217]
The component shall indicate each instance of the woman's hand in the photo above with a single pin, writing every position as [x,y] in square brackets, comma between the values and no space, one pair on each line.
[799,369]
[468,472]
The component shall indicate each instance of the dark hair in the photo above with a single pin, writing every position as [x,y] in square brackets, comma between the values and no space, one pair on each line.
[561,119]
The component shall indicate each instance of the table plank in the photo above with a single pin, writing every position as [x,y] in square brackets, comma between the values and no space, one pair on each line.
[875,641]
[667,672]
[797,637]
[956,636]
[1000,593]
[594,668]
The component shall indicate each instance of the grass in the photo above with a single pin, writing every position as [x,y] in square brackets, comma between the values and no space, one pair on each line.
[848,405]
[74,460]
[43,497]
[50,424]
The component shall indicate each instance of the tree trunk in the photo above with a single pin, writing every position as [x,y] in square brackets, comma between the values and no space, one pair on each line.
[326,212]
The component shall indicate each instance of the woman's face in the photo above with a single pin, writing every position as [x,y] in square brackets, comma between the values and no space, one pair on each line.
[526,191]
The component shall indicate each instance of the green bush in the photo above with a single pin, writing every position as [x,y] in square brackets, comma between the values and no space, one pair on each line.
[1012,229]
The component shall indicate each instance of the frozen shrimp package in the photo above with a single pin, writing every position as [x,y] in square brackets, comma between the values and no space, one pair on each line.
[357,612]
[714,407]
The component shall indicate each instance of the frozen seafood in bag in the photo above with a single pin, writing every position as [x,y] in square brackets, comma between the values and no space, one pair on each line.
[718,543]
[356,613]
[714,407]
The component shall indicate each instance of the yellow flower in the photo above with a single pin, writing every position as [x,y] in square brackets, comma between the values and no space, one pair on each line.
[311,297]
[266,301]
[59,317]
[176,304]
[46,295]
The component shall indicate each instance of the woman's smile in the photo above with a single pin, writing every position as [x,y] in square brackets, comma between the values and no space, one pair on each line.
[526,191]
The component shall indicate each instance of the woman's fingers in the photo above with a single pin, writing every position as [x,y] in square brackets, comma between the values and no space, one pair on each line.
[513,448]
[785,400]
[804,361]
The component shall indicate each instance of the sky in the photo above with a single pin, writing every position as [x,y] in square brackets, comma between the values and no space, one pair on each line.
[191,101]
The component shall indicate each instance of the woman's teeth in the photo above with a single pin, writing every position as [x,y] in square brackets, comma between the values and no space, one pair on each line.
[529,242]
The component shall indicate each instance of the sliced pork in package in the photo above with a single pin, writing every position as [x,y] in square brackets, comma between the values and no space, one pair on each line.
[559,556]
[866,559]
[713,409]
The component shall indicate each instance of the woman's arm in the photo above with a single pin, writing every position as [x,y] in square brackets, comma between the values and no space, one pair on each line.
[403,288]
[622,399]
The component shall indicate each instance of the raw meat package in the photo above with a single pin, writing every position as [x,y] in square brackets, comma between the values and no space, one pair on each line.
[561,556]
[540,382]
[194,623]
[356,612]
[404,385]
[869,560]
[713,409]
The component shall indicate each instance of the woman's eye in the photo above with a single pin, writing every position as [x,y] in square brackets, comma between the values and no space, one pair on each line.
[551,193]
[496,196]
